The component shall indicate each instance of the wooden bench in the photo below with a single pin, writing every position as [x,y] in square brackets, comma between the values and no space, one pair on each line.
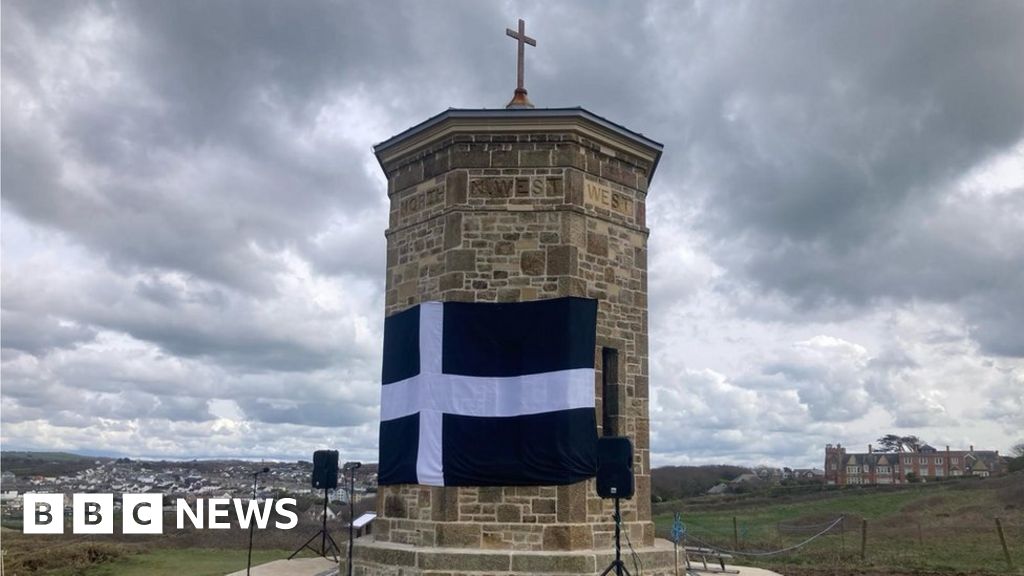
[704,554]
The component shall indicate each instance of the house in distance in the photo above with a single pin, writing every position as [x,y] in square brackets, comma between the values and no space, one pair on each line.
[925,464]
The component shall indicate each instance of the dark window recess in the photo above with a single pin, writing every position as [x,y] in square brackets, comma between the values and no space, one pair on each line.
[610,391]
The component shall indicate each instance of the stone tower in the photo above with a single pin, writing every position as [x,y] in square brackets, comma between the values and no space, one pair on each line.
[522,204]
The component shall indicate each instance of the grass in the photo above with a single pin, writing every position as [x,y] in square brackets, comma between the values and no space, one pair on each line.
[941,528]
[194,562]
[175,553]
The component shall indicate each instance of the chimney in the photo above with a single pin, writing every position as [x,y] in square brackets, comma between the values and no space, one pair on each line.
[972,447]
[947,447]
[869,449]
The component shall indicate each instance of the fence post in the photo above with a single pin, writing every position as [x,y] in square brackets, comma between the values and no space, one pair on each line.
[920,538]
[842,535]
[1002,540]
[675,550]
[863,538]
[735,535]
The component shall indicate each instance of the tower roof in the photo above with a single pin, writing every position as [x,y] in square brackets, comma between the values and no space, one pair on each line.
[455,120]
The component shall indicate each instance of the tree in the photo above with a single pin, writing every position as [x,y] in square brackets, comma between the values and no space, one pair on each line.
[1016,463]
[890,443]
[897,443]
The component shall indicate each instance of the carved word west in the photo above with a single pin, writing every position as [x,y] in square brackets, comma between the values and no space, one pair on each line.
[601,196]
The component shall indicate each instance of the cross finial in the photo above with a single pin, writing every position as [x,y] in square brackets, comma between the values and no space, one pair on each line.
[519,100]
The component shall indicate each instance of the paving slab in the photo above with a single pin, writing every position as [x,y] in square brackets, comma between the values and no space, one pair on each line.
[296,567]
[748,571]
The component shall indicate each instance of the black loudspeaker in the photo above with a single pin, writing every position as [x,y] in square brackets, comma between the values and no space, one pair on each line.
[614,467]
[325,469]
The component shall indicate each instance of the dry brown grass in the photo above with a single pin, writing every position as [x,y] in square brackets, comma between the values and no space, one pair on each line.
[34,555]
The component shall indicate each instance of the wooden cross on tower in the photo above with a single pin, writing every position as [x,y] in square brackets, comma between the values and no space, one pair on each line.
[519,100]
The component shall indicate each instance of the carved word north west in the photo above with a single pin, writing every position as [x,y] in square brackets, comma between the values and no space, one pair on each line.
[601,196]
[518,187]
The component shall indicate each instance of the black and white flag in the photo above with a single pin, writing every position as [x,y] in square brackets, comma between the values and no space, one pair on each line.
[479,394]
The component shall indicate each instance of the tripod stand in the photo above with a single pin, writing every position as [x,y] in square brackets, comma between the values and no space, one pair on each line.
[618,565]
[325,537]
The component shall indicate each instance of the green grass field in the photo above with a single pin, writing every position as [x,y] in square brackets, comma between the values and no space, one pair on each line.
[202,562]
[189,553]
[942,528]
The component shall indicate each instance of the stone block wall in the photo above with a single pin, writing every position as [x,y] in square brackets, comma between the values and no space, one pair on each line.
[507,217]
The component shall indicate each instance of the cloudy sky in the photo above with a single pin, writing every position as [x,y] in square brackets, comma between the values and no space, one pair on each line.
[192,217]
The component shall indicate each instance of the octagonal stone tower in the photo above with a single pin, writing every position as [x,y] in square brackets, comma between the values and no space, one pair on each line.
[502,206]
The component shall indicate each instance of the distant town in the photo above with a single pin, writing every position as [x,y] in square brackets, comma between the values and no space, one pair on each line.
[67,474]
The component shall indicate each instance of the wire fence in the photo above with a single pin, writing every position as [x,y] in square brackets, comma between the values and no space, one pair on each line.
[966,543]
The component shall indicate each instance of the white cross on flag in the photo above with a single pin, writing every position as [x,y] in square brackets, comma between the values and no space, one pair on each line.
[481,394]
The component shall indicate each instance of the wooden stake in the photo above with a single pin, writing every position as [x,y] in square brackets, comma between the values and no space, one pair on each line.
[735,535]
[842,535]
[676,550]
[1002,540]
[863,538]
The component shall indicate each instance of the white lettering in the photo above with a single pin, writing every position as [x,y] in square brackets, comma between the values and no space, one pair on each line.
[279,507]
[253,510]
[183,510]
[218,508]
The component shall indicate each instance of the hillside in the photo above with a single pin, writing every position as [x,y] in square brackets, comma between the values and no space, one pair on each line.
[937,528]
[674,482]
[46,463]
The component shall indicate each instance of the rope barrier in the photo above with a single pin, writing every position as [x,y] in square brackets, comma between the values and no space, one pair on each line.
[772,552]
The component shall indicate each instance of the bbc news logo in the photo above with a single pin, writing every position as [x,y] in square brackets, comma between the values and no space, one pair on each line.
[144,513]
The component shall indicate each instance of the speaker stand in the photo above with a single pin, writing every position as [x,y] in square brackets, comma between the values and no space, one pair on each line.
[325,537]
[618,565]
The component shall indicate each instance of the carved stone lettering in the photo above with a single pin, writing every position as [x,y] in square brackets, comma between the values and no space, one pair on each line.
[416,201]
[601,196]
[411,204]
[521,187]
[434,196]
[554,186]
[491,187]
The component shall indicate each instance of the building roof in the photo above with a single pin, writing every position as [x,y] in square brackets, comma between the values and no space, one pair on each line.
[872,459]
[496,117]
[719,488]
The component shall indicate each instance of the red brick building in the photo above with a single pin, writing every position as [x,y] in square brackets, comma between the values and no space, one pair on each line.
[843,468]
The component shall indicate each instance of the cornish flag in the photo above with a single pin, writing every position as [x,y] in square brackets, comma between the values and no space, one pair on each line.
[481,394]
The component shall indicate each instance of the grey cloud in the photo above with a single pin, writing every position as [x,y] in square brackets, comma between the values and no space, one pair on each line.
[38,334]
[194,320]
[309,413]
[818,149]
[184,169]
[63,406]
[352,244]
